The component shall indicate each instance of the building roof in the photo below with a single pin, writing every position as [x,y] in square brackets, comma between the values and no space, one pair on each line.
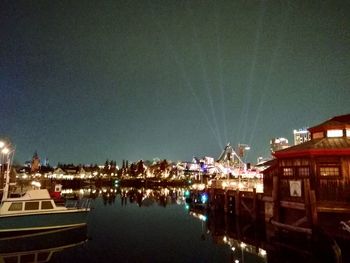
[338,122]
[322,146]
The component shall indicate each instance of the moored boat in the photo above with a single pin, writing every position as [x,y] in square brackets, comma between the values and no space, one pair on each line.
[35,210]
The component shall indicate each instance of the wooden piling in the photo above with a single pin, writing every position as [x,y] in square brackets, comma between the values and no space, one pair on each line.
[237,203]
[212,199]
[226,204]
[307,200]
[254,212]
[275,199]
[313,207]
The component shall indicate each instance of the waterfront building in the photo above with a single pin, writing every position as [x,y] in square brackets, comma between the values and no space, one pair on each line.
[308,184]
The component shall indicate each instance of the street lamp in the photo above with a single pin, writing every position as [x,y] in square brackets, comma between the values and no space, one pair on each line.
[6,151]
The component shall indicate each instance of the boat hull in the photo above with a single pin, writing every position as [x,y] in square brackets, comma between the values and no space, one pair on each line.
[33,222]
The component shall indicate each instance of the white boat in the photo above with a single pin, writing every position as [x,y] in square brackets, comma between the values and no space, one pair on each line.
[35,210]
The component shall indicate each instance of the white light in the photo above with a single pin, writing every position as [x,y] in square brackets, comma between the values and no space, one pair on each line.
[243,245]
[202,217]
[334,133]
[36,184]
[233,248]
[2,144]
[5,150]
[262,252]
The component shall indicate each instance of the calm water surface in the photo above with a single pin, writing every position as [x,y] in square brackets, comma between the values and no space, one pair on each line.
[140,225]
[157,229]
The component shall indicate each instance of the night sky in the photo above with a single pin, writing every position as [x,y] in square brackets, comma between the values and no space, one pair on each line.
[86,81]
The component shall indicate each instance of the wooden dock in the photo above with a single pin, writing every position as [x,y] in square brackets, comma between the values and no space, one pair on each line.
[234,196]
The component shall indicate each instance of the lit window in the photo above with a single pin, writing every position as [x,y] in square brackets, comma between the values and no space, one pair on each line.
[347,132]
[31,206]
[15,207]
[303,171]
[329,171]
[287,171]
[334,133]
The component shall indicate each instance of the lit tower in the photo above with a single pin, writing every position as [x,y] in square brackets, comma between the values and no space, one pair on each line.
[35,165]
[301,136]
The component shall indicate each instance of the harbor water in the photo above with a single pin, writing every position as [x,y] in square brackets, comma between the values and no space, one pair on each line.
[157,225]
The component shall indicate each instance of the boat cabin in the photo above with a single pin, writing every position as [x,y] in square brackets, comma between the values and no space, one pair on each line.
[308,185]
[31,201]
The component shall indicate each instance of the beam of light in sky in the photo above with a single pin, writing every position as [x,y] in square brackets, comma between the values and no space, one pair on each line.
[185,78]
[248,91]
[154,71]
[205,79]
[221,79]
[269,74]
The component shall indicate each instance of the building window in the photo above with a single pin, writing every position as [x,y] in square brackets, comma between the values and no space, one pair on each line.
[347,132]
[31,206]
[287,171]
[317,135]
[335,133]
[15,207]
[46,205]
[330,171]
[304,171]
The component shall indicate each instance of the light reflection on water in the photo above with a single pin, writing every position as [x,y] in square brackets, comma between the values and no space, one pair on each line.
[156,225]
[144,225]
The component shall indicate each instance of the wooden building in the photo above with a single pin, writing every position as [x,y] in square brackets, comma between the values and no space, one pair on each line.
[308,185]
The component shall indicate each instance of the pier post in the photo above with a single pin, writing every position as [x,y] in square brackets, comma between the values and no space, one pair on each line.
[254,215]
[212,199]
[237,203]
[226,202]
[313,207]
[310,203]
[307,200]
[275,199]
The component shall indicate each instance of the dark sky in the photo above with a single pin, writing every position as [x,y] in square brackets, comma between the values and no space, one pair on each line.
[86,81]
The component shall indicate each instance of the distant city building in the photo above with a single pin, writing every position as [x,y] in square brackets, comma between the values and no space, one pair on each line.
[301,136]
[46,162]
[277,144]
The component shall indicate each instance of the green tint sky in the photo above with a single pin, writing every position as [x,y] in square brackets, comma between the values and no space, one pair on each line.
[83,81]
